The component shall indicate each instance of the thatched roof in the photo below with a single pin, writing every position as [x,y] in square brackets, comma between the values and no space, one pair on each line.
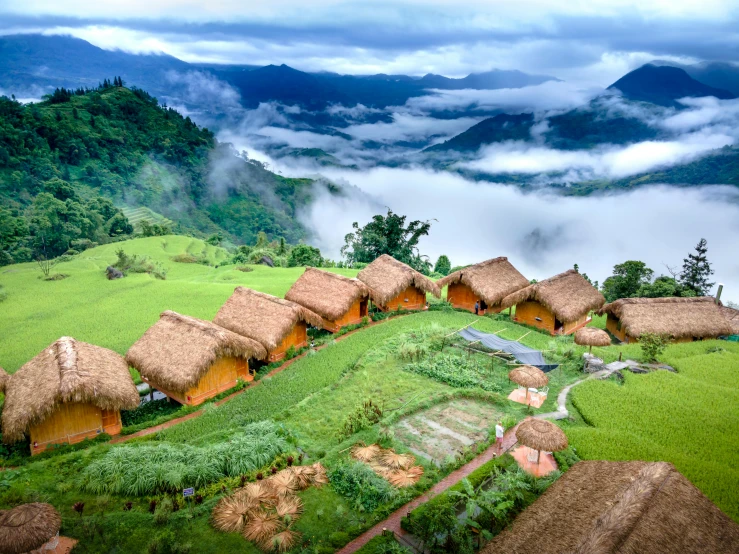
[491,280]
[591,336]
[263,317]
[676,317]
[67,371]
[528,376]
[567,295]
[330,295]
[178,350]
[387,277]
[541,434]
[3,379]
[620,507]
[732,316]
[28,527]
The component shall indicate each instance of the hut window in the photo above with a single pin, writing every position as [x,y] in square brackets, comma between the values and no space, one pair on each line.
[537,318]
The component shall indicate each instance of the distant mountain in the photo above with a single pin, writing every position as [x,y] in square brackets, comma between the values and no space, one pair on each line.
[499,128]
[489,80]
[663,85]
[715,74]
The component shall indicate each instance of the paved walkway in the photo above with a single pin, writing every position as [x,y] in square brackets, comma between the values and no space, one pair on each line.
[562,412]
[392,523]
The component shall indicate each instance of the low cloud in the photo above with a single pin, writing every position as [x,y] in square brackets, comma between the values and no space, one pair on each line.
[410,127]
[203,89]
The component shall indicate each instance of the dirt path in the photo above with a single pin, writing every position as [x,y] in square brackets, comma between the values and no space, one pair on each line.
[392,523]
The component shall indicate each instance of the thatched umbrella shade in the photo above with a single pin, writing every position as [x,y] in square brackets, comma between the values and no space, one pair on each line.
[590,336]
[28,527]
[528,376]
[541,434]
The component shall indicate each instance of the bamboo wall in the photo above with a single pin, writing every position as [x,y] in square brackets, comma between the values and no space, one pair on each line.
[221,376]
[354,315]
[298,338]
[462,297]
[411,298]
[72,423]
[535,314]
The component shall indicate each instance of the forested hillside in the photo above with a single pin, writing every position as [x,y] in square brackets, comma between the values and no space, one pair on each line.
[69,163]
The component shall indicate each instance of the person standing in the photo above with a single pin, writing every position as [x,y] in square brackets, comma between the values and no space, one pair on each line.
[499,433]
[477,307]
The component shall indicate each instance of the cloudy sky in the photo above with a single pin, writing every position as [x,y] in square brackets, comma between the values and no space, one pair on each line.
[589,41]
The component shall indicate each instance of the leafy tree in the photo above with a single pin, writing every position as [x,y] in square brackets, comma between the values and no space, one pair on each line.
[697,270]
[443,265]
[387,235]
[626,280]
[652,346]
[118,225]
[304,255]
[282,250]
[215,239]
[438,518]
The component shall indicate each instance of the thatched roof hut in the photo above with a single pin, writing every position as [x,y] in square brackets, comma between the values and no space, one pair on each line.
[262,317]
[541,434]
[528,376]
[3,379]
[732,316]
[620,507]
[679,318]
[490,280]
[591,336]
[387,277]
[68,371]
[28,527]
[567,295]
[330,295]
[178,350]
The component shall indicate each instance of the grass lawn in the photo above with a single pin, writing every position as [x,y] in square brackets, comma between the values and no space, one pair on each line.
[689,418]
[114,314]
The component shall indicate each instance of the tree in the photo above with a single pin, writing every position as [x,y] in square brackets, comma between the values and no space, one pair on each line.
[443,265]
[626,280]
[304,255]
[387,235]
[585,276]
[697,270]
[282,250]
[119,225]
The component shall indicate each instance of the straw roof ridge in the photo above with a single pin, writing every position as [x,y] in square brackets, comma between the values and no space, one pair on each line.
[388,277]
[330,295]
[263,317]
[674,316]
[592,336]
[732,316]
[67,371]
[28,527]
[602,507]
[567,295]
[541,434]
[178,350]
[491,280]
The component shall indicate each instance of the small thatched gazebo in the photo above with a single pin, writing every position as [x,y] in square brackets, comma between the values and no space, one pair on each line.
[620,508]
[560,305]
[275,323]
[682,319]
[397,285]
[540,434]
[590,336]
[28,527]
[489,281]
[69,392]
[191,360]
[528,376]
[339,300]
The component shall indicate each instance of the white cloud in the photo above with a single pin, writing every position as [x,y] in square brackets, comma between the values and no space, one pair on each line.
[409,127]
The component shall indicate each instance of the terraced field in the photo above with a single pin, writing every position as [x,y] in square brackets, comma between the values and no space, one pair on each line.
[137,215]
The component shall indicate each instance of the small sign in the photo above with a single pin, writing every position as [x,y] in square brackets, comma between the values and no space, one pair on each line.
[188,492]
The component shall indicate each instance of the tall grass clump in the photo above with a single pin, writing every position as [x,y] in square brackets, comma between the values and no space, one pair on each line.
[150,469]
[357,482]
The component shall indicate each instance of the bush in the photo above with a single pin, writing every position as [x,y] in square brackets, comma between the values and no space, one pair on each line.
[149,411]
[453,371]
[138,264]
[304,255]
[357,482]
[652,346]
[338,539]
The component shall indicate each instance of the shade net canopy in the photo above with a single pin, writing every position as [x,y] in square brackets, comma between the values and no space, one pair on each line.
[522,353]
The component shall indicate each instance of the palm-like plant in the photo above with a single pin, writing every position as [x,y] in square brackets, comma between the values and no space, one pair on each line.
[283,483]
[365,453]
[303,475]
[261,527]
[393,460]
[230,514]
[283,541]
[320,477]
[289,506]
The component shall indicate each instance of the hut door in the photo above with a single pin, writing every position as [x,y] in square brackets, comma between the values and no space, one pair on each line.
[363,308]
[558,325]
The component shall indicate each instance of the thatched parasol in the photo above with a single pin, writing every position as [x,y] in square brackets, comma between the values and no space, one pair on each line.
[590,336]
[28,527]
[541,434]
[528,376]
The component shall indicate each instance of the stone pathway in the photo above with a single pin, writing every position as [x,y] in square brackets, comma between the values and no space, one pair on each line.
[562,412]
[392,523]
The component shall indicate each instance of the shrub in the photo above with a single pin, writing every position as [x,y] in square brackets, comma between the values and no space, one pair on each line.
[454,371]
[652,346]
[338,539]
[363,418]
[357,482]
[138,264]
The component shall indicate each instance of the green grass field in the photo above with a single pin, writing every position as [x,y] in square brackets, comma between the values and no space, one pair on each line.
[115,314]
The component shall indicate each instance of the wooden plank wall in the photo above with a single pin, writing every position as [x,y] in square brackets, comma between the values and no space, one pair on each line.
[221,376]
[536,315]
[72,423]
[297,338]
[354,315]
[411,298]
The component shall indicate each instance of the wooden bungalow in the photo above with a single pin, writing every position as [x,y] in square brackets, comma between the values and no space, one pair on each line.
[682,319]
[560,305]
[276,324]
[339,300]
[396,285]
[619,507]
[487,282]
[69,392]
[191,360]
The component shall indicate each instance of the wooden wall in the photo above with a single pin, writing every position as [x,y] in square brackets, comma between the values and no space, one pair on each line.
[535,314]
[462,297]
[221,376]
[411,298]
[354,315]
[297,338]
[72,423]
